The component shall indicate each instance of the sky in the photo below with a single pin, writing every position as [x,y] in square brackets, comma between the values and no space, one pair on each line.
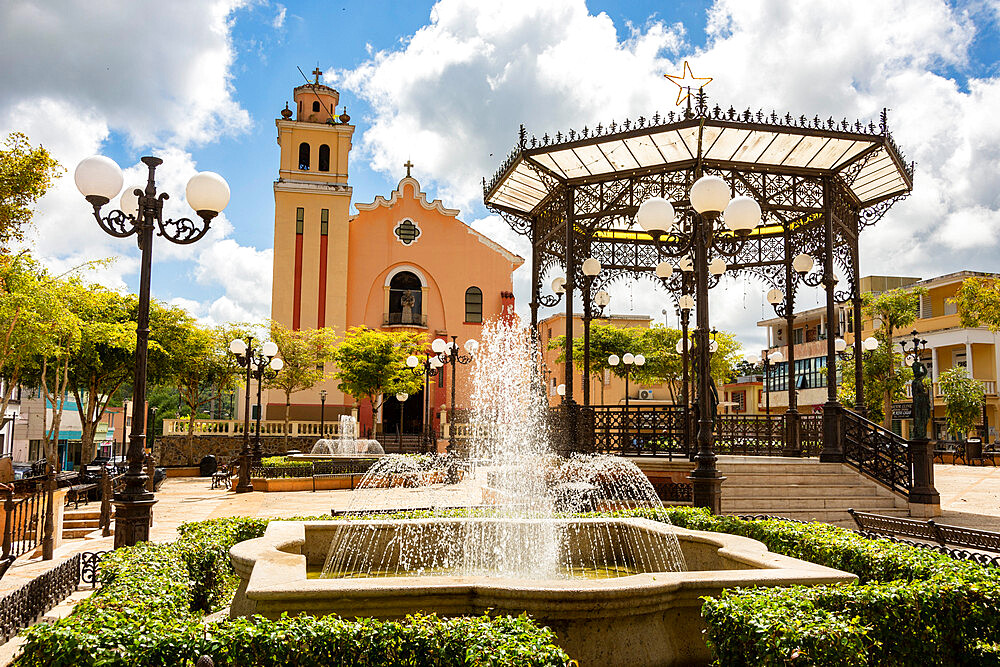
[446,85]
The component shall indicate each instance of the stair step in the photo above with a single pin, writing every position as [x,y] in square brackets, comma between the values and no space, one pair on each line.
[855,490]
[867,504]
[818,479]
[82,514]
[74,533]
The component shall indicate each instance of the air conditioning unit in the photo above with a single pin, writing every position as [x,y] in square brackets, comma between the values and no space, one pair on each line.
[645,394]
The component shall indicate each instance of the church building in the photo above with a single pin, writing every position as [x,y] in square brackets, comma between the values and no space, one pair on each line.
[401,262]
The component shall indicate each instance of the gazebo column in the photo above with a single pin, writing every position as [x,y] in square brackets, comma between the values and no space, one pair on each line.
[791,447]
[832,447]
[534,278]
[569,404]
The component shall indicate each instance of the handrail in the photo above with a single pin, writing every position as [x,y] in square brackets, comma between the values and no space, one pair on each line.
[877,452]
[330,428]
[23,519]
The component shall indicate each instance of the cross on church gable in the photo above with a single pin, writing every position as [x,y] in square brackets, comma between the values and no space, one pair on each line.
[408,165]
[317,72]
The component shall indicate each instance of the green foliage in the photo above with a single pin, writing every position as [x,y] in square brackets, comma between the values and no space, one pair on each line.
[149,613]
[372,363]
[892,311]
[963,399]
[978,302]
[283,462]
[26,173]
[883,373]
[657,343]
[304,353]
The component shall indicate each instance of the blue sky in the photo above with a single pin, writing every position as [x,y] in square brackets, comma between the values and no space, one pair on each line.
[446,84]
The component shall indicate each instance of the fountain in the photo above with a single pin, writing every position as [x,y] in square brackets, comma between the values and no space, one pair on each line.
[617,591]
[347,442]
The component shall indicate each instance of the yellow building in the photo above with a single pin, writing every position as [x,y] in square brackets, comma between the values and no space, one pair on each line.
[403,261]
[608,389]
[949,344]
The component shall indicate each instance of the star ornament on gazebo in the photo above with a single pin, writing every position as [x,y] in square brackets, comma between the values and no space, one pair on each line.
[686,81]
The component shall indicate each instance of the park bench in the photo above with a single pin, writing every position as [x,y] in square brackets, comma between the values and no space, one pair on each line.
[929,530]
[79,492]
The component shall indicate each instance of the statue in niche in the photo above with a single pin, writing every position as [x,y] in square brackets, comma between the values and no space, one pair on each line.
[921,402]
[407,300]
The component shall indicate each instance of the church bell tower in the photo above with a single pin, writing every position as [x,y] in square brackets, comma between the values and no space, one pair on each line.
[311,206]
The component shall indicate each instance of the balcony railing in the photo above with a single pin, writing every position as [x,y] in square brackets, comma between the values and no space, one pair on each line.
[331,429]
[404,319]
[989,385]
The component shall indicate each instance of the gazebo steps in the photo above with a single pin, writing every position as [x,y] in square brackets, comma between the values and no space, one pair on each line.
[803,489]
[81,523]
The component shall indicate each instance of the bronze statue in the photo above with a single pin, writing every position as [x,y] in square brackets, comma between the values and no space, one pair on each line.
[921,402]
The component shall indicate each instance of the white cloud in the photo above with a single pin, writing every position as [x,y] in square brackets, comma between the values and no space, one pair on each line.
[279,17]
[456,90]
[157,74]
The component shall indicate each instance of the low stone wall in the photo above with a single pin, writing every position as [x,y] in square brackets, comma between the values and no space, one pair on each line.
[173,450]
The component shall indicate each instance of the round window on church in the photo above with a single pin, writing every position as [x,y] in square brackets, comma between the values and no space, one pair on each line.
[407,232]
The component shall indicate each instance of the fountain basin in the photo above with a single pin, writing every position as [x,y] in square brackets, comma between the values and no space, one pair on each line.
[650,618]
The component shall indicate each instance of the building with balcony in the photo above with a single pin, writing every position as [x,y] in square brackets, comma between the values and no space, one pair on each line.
[949,344]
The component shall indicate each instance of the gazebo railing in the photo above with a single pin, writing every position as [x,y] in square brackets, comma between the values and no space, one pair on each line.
[877,452]
[640,430]
[750,435]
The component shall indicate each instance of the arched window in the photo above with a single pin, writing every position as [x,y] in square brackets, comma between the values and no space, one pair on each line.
[304,156]
[315,106]
[324,158]
[474,305]
[405,305]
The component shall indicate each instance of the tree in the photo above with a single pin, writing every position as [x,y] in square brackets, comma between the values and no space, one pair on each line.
[50,354]
[895,310]
[24,323]
[26,173]
[371,364]
[963,399]
[978,302]
[657,343]
[605,340]
[304,353]
[104,357]
[882,371]
[202,369]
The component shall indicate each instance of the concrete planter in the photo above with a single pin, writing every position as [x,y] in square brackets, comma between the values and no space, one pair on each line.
[651,618]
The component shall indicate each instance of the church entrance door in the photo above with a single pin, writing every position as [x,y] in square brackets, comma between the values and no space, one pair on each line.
[406,418]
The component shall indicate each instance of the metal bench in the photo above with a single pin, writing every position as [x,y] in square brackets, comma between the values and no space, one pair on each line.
[77,491]
[929,530]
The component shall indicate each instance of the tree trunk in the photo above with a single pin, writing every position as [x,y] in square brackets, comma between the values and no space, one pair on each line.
[288,407]
[887,399]
[190,452]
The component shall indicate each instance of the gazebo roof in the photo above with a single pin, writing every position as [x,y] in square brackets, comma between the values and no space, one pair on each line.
[865,156]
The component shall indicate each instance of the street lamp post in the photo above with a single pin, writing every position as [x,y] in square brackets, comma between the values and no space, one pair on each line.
[322,413]
[448,354]
[100,179]
[628,360]
[428,368]
[256,361]
[711,200]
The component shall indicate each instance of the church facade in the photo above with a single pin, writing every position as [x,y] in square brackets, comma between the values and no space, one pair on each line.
[402,261]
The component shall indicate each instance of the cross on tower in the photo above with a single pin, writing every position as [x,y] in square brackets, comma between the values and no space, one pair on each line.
[408,165]
[316,72]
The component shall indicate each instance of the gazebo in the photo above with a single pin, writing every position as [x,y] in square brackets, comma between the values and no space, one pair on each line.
[818,183]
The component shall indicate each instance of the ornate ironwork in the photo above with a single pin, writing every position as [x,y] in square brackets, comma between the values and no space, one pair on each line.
[90,567]
[640,430]
[25,605]
[23,519]
[877,452]
[750,435]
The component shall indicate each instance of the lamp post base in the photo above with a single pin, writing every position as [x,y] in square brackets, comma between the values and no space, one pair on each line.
[243,484]
[133,517]
[707,492]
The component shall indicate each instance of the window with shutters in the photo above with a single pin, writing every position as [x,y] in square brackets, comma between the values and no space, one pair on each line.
[300,220]
[324,221]
[926,308]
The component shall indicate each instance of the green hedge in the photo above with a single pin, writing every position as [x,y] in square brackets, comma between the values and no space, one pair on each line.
[911,607]
[283,462]
[150,609]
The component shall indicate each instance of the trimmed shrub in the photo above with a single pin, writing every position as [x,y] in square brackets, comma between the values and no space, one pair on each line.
[149,612]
